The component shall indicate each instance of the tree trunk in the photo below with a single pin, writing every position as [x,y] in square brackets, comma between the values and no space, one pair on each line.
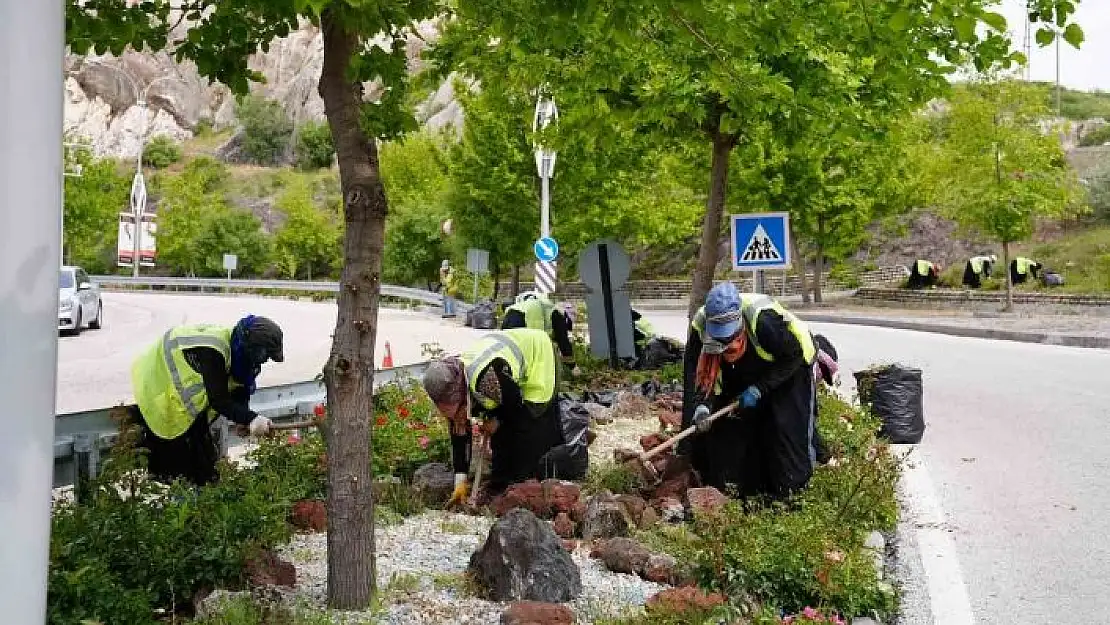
[1009,307]
[496,280]
[516,281]
[711,227]
[349,372]
[803,281]
[819,262]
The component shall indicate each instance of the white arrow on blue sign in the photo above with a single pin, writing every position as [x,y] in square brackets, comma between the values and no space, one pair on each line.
[546,249]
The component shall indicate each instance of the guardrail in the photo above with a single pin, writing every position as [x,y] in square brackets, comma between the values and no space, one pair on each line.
[81,437]
[224,284]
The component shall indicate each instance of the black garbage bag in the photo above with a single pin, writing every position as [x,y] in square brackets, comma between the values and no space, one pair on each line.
[895,394]
[604,398]
[571,459]
[661,351]
[482,316]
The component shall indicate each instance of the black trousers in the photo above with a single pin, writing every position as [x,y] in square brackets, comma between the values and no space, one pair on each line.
[191,456]
[766,450]
[971,279]
[550,445]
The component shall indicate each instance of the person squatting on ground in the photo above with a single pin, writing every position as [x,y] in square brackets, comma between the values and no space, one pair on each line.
[747,347]
[923,274]
[977,268]
[507,381]
[1021,269]
[535,310]
[188,378]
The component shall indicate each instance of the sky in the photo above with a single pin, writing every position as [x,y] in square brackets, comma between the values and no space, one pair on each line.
[1086,68]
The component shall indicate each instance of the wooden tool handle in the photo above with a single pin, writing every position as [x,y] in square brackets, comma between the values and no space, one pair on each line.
[278,427]
[672,441]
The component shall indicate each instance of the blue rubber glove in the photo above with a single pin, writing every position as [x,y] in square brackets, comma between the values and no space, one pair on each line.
[750,397]
[701,419]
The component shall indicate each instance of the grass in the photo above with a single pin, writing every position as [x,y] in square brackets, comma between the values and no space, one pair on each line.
[243,610]
[615,478]
[1082,258]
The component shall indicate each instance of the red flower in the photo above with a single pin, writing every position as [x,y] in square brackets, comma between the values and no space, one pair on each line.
[319,410]
[293,439]
[404,412]
[380,421]
[419,426]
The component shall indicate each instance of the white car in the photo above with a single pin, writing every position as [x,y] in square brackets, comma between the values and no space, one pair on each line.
[79,304]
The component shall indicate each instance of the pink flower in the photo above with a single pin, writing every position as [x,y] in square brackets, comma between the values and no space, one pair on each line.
[789,620]
[810,613]
[836,620]
[424,440]
[293,439]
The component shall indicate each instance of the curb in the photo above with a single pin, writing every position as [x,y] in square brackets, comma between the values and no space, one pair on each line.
[1044,338]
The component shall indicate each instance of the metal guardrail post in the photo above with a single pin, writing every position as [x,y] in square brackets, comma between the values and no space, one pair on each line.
[86,454]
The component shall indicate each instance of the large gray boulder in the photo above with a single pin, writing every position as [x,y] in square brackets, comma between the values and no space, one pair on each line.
[523,559]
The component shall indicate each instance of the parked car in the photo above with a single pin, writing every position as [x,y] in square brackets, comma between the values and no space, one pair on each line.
[79,303]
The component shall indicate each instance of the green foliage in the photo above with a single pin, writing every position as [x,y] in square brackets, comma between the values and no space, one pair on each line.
[1098,191]
[267,129]
[1098,136]
[810,550]
[1078,105]
[308,243]
[315,147]
[615,478]
[1082,258]
[408,431]
[414,171]
[247,611]
[233,231]
[93,202]
[161,152]
[995,170]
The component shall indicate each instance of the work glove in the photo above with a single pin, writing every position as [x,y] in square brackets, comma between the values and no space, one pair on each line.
[750,397]
[701,419]
[260,426]
[462,489]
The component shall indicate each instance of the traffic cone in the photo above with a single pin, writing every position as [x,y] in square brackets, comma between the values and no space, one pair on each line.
[387,362]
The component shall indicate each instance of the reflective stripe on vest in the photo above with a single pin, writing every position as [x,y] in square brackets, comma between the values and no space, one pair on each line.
[531,357]
[977,264]
[645,328]
[170,393]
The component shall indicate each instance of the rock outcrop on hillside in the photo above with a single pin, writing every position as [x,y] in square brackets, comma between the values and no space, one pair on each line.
[102,92]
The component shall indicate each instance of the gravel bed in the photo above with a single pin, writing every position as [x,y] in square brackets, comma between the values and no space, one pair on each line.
[420,575]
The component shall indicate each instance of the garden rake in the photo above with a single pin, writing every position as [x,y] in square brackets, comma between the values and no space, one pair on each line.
[647,471]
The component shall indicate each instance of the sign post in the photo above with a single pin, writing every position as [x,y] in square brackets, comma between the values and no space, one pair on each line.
[546,250]
[605,266]
[477,263]
[231,263]
[546,270]
[138,207]
[760,241]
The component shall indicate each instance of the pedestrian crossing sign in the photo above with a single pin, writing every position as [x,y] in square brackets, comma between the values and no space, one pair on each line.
[760,241]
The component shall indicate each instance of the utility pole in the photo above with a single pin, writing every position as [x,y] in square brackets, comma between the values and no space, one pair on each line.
[32,39]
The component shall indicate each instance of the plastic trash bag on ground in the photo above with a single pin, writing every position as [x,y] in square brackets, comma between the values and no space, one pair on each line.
[895,394]
[482,316]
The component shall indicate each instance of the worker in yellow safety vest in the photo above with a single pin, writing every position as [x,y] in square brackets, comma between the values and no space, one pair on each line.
[535,310]
[1022,268]
[746,347]
[506,382]
[923,274]
[187,379]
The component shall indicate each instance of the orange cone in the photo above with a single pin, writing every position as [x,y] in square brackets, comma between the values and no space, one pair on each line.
[387,362]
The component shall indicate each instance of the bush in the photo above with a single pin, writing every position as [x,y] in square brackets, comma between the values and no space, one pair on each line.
[315,149]
[161,152]
[1098,136]
[267,130]
[408,431]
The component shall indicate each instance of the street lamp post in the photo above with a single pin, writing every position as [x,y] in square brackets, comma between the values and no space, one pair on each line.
[138,184]
[546,114]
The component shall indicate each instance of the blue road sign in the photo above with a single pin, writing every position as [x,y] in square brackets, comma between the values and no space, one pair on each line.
[760,241]
[546,249]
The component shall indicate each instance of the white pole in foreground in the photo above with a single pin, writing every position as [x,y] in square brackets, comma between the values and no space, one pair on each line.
[31,45]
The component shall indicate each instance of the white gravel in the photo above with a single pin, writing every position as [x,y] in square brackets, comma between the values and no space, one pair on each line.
[420,571]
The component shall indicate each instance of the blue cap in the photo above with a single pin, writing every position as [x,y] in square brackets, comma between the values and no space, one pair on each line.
[722,311]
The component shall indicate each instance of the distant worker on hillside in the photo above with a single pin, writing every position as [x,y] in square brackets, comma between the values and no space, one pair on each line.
[535,310]
[507,382]
[977,268]
[748,347]
[1021,269]
[188,378]
[923,274]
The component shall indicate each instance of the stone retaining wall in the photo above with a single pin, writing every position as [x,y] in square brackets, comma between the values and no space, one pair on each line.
[680,289]
[957,297]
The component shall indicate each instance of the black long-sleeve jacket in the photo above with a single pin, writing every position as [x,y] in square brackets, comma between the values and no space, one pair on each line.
[511,407]
[773,335]
[210,364]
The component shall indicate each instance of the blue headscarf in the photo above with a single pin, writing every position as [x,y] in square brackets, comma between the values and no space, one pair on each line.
[243,368]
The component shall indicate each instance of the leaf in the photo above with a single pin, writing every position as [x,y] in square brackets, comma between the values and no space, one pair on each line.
[900,20]
[1045,36]
[995,21]
[1073,34]
[965,27]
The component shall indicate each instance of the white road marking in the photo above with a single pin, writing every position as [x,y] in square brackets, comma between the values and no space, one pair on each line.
[948,596]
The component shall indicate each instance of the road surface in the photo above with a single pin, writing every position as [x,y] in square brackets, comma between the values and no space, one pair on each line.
[1015,444]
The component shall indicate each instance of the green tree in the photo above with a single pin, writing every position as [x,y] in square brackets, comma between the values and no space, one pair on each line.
[227,230]
[267,129]
[1098,191]
[1098,136]
[726,73]
[315,149]
[93,202]
[161,152]
[186,203]
[414,170]
[996,170]
[362,42]
[309,239]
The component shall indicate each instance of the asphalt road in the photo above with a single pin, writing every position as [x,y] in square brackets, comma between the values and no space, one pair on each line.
[1015,445]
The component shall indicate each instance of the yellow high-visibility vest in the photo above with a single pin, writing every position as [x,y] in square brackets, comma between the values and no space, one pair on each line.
[531,357]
